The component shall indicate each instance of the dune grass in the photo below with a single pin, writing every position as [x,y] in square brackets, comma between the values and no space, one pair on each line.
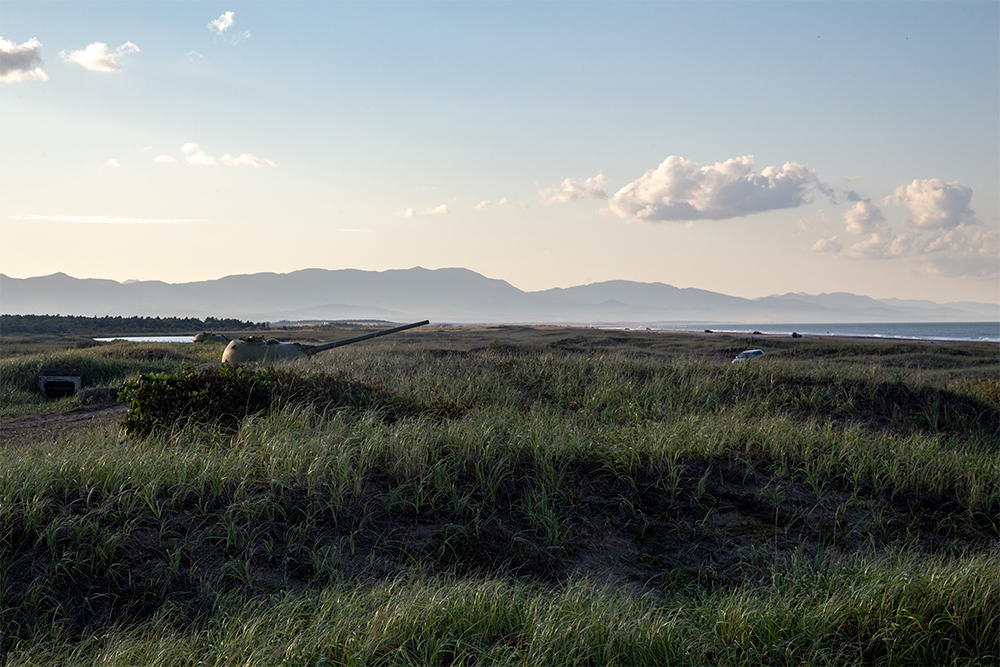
[547,506]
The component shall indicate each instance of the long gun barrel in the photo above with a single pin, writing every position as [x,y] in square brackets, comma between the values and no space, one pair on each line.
[313,349]
[258,349]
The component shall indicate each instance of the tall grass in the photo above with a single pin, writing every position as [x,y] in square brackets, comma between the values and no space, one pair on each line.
[888,610]
[782,512]
[100,366]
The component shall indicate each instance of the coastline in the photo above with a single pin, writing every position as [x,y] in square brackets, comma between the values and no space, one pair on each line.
[945,332]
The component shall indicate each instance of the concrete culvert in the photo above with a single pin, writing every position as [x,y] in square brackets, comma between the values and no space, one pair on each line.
[59,383]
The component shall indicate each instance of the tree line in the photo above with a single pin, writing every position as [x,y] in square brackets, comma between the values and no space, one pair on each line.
[93,326]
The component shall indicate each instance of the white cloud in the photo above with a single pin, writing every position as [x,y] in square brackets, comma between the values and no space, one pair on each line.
[164,158]
[571,188]
[194,55]
[964,250]
[223,23]
[21,62]
[196,156]
[100,219]
[510,204]
[96,57]
[680,189]
[438,210]
[828,245]
[484,205]
[112,163]
[864,218]
[934,204]
[408,213]
[245,159]
[942,237]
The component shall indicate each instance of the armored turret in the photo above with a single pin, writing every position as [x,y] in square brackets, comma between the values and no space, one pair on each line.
[257,348]
[207,337]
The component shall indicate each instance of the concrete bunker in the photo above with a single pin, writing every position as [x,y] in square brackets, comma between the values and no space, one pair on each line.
[56,383]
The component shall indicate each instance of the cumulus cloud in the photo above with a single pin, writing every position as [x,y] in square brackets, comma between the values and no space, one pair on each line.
[164,158]
[244,159]
[96,57]
[408,213]
[828,245]
[21,62]
[223,23]
[484,205]
[112,163]
[572,188]
[438,210]
[863,218]
[934,204]
[196,156]
[683,190]
[942,237]
[965,250]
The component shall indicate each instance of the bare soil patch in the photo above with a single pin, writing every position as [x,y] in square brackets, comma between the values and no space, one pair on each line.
[100,412]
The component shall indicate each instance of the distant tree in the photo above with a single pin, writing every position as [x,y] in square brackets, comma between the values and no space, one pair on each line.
[115,325]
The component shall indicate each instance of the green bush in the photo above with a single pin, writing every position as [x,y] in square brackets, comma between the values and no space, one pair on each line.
[224,395]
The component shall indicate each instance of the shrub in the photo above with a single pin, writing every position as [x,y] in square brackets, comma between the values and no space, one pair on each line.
[224,395]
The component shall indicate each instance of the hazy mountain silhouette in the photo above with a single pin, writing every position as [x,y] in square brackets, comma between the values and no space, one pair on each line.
[451,295]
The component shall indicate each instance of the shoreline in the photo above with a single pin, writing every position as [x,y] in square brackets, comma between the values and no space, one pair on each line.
[957,332]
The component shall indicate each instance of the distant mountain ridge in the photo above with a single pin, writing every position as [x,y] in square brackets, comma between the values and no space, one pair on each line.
[453,295]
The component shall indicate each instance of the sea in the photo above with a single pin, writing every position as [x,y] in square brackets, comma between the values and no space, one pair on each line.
[149,339]
[953,331]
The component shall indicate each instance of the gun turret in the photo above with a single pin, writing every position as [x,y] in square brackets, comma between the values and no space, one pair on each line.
[206,337]
[256,348]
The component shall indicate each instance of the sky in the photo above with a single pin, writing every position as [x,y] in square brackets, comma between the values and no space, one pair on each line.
[748,148]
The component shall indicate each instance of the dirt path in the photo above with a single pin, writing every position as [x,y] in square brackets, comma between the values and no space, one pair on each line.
[105,412]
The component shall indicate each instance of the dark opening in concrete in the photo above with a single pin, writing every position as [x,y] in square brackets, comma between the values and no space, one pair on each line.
[58,383]
[54,389]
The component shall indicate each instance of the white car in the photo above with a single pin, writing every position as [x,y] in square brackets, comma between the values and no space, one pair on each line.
[748,354]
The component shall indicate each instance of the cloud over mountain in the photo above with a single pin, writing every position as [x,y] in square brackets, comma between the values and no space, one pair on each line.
[681,190]
[21,62]
[934,204]
[942,236]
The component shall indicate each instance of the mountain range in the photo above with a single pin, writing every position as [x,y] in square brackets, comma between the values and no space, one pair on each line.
[453,295]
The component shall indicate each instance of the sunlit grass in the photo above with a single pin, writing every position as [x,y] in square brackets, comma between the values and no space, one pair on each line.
[889,610]
[781,512]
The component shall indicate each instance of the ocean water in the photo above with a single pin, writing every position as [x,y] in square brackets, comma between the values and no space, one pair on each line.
[957,331]
[150,339]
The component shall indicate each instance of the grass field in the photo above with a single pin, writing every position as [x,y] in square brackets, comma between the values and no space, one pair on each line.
[515,495]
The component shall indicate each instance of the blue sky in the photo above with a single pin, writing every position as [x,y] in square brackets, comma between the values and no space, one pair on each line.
[547,144]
